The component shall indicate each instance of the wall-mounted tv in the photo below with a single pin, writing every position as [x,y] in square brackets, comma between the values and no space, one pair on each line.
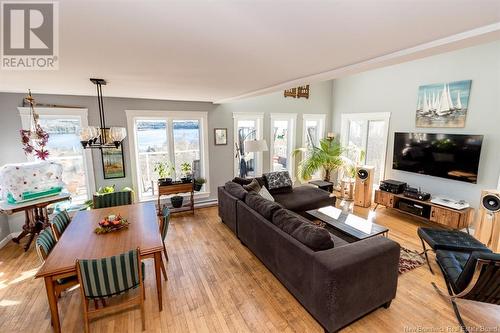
[453,156]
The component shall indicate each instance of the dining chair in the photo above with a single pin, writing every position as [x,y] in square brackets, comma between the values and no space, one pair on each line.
[164,222]
[59,223]
[119,198]
[109,277]
[44,244]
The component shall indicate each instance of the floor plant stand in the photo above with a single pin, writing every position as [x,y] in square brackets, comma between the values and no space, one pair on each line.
[175,188]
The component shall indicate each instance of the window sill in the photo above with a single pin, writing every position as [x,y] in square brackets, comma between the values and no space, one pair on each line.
[197,195]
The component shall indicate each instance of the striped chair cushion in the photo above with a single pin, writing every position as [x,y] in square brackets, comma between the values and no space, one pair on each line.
[166,220]
[61,221]
[46,241]
[111,276]
[112,199]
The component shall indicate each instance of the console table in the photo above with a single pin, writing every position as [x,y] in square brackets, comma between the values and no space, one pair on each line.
[36,214]
[447,217]
[175,188]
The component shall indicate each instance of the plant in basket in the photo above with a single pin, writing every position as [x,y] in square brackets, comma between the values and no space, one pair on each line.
[111,223]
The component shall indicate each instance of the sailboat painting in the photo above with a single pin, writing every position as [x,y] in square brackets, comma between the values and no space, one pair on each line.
[443,104]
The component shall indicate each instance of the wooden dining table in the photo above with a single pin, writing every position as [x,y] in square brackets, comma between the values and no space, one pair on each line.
[79,241]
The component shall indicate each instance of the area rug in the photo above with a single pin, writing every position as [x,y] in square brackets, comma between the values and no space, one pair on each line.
[409,259]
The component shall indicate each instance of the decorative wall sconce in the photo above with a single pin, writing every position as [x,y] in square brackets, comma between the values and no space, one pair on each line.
[302,91]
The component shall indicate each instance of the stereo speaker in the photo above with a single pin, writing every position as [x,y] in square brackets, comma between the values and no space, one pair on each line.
[364,186]
[488,226]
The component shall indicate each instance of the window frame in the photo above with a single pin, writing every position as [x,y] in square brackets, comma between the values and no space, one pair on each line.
[321,118]
[69,113]
[258,117]
[346,118]
[292,121]
[169,117]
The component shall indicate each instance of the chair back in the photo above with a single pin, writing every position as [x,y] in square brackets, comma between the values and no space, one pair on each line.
[59,223]
[44,243]
[111,276]
[165,221]
[485,285]
[112,199]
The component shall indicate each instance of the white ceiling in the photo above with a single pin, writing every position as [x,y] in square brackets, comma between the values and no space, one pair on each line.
[218,50]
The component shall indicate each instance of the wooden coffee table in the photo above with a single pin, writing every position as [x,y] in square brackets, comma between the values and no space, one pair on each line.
[354,227]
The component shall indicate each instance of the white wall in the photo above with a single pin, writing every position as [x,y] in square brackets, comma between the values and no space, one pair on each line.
[394,89]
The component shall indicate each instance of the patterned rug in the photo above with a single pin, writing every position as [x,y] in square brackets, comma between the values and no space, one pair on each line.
[409,260]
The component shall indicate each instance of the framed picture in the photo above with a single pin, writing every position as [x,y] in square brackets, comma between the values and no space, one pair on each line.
[443,104]
[220,136]
[113,163]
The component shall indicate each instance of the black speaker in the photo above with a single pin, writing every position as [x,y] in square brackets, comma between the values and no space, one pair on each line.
[363,174]
[491,203]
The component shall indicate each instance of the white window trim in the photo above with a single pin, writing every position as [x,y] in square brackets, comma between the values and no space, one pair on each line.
[202,116]
[369,116]
[76,113]
[321,118]
[292,119]
[258,117]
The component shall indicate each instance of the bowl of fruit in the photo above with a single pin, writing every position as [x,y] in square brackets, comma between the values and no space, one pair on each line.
[111,223]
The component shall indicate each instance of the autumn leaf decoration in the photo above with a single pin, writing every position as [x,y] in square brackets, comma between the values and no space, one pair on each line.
[35,139]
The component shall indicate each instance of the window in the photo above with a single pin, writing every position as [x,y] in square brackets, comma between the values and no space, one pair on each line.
[313,130]
[368,131]
[64,146]
[165,136]
[247,126]
[282,141]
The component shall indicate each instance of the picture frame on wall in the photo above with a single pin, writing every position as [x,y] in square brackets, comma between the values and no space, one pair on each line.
[220,136]
[113,161]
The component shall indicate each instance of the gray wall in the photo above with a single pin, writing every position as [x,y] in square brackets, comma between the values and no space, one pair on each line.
[394,89]
[221,157]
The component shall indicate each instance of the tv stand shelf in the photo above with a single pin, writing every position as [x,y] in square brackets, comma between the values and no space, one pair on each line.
[444,216]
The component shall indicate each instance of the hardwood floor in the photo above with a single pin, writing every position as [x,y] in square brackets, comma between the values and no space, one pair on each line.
[216,285]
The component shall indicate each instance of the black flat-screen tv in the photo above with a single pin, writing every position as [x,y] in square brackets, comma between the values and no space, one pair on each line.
[453,156]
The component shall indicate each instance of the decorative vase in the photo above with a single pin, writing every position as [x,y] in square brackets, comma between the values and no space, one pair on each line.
[197,187]
[165,181]
[176,201]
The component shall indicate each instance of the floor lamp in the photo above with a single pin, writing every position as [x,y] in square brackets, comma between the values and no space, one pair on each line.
[252,146]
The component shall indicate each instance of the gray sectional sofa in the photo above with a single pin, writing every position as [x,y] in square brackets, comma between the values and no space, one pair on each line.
[336,281]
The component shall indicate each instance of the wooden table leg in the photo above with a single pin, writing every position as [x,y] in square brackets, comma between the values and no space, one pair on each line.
[158,278]
[51,296]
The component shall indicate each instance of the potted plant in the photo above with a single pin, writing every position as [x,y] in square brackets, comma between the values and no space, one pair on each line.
[186,171]
[198,183]
[176,201]
[328,156]
[164,171]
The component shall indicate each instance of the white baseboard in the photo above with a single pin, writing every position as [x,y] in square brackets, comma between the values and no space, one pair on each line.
[7,238]
[206,203]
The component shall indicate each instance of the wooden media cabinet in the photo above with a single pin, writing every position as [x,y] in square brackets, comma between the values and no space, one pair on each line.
[444,216]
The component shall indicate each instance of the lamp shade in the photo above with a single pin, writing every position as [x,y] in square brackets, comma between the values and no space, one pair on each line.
[255,146]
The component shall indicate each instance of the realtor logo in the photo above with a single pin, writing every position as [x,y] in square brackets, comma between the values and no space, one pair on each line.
[30,35]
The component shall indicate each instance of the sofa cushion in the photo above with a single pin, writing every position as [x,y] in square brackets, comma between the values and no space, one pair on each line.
[236,190]
[246,181]
[263,192]
[314,237]
[304,198]
[262,206]
[254,186]
[278,182]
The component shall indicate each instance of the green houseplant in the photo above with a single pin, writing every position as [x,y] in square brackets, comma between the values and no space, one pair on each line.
[186,172]
[328,156]
[198,183]
[164,171]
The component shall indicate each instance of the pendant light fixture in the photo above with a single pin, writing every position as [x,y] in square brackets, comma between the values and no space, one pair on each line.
[101,137]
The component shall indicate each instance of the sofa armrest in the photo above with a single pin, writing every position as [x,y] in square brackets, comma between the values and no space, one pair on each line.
[352,280]
[227,209]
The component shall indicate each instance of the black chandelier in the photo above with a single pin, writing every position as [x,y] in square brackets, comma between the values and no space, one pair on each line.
[101,137]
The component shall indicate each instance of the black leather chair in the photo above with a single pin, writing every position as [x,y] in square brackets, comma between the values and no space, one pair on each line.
[470,275]
[451,240]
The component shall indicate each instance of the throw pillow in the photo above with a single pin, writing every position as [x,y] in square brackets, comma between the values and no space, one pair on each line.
[278,182]
[242,181]
[253,186]
[265,194]
[262,206]
[314,237]
[236,190]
